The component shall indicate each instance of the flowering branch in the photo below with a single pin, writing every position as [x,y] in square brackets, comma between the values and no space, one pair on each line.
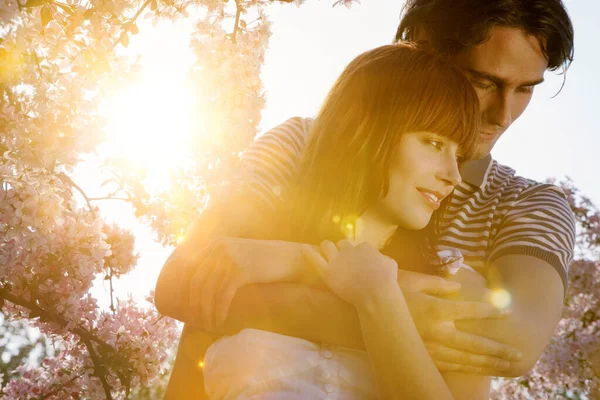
[98,367]
[50,316]
[59,388]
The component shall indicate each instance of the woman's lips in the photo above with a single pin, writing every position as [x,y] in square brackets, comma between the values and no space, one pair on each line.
[431,198]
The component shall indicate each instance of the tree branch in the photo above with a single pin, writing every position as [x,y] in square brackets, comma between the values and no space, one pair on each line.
[236,26]
[58,389]
[98,367]
[65,178]
[108,198]
[48,315]
[137,14]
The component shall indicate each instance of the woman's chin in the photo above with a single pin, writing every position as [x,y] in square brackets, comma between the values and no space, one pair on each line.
[415,223]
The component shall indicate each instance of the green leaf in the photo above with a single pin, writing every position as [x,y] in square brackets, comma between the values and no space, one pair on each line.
[46,16]
[34,3]
[153,5]
[133,28]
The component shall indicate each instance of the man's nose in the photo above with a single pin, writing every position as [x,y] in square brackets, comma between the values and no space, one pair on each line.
[499,110]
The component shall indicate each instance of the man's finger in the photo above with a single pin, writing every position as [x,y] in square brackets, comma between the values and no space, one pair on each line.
[471,343]
[440,352]
[224,298]
[192,264]
[218,273]
[437,286]
[444,366]
[453,310]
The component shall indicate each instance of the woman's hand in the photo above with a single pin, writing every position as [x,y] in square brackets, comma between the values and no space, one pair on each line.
[355,273]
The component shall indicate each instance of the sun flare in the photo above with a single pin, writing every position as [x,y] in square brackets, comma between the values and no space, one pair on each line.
[150,121]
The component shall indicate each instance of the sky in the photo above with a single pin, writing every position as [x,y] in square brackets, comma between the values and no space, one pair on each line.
[556,136]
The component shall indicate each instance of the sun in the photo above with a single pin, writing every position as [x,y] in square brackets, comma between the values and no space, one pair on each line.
[150,121]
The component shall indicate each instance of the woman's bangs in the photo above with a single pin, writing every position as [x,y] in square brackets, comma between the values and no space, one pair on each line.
[453,112]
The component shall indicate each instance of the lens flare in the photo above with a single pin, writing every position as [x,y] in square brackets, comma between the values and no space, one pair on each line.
[500,298]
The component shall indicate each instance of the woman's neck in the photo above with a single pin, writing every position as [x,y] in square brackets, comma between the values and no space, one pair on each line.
[373,228]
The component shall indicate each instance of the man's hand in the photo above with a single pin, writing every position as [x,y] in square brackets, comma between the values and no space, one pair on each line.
[450,348]
[226,264]
[220,271]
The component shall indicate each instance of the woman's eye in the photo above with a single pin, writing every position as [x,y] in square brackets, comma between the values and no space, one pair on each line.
[436,143]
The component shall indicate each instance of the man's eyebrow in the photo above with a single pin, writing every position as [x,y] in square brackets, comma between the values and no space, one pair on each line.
[500,81]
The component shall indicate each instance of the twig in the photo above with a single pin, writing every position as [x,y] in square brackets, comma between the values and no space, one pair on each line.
[58,389]
[108,198]
[137,14]
[99,367]
[110,280]
[68,180]
[236,26]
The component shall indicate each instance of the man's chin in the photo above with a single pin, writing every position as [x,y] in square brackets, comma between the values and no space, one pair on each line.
[481,153]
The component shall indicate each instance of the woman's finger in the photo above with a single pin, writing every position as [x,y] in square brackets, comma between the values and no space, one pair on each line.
[329,250]
[344,244]
[314,258]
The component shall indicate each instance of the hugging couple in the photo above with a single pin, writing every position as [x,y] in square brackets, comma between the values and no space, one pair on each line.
[357,256]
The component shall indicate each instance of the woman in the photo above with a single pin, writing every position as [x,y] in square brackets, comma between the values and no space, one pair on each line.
[384,152]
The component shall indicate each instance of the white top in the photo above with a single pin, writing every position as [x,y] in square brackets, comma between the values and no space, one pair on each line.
[255,364]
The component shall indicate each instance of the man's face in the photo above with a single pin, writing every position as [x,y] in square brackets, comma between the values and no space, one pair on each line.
[504,71]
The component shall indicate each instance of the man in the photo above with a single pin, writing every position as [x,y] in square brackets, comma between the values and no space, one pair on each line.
[516,232]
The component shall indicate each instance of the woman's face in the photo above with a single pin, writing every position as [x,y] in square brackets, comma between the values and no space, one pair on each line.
[423,172]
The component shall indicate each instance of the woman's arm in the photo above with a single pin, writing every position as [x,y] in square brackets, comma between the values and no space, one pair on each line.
[402,365]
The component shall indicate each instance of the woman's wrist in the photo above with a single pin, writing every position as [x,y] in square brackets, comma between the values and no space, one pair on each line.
[380,300]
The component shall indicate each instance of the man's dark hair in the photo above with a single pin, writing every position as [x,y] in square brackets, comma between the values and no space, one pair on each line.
[453,25]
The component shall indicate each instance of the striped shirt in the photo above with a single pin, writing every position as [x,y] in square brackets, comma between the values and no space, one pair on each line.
[491,213]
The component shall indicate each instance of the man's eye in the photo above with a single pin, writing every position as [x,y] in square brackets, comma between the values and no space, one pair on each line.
[482,85]
[526,89]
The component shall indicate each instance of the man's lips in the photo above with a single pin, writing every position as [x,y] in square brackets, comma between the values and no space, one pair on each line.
[486,137]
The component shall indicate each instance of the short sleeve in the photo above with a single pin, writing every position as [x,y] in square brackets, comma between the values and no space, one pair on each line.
[270,164]
[540,224]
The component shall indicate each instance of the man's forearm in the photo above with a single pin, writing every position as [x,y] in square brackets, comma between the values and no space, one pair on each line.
[294,310]
[535,292]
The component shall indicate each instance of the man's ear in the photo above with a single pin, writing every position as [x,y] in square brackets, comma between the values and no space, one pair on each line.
[421,34]
[422,37]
